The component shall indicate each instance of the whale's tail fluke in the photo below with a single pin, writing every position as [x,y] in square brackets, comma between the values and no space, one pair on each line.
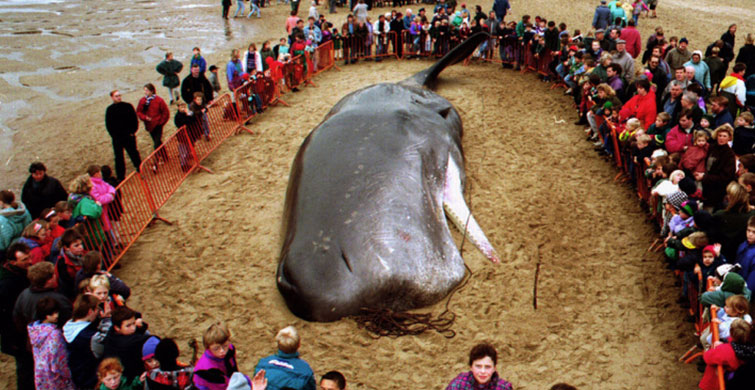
[427,77]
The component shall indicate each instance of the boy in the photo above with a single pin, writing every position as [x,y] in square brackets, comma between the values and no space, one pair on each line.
[91,265]
[744,134]
[126,339]
[285,368]
[333,380]
[197,59]
[746,254]
[218,362]
[213,78]
[84,335]
[69,262]
[660,128]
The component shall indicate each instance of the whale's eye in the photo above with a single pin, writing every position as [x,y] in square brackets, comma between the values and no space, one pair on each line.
[444,112]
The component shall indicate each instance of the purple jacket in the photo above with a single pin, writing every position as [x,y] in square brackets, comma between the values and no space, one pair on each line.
[211,373]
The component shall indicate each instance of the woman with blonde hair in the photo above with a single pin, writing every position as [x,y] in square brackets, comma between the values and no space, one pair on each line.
[86,210]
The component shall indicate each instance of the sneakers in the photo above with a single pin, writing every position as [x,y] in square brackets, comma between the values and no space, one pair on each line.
[598,143]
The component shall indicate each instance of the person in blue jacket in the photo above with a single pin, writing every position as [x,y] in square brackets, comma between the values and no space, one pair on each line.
[746,254]
[285,369]
[501,7]
[602,17]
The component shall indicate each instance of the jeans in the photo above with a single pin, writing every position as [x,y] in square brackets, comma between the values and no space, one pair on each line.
[254,9]
[240,9]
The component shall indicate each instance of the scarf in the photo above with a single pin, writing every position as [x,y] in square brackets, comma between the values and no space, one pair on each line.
[251,62]
[148,100]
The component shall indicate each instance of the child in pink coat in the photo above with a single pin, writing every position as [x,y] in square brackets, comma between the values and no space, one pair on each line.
[51,370]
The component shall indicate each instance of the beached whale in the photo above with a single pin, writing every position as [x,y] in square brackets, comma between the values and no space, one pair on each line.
[364,224]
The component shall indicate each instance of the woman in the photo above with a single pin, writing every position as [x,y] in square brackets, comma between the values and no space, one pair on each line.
[86,210]
[732,221]
[154,112]
[13,218]
[482,374]
[720,167]
[252,60]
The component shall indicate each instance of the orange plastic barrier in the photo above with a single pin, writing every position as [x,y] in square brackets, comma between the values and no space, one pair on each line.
[221,122]
[378,46]
[324,57]
[714,339]
[415,46]
[255,96]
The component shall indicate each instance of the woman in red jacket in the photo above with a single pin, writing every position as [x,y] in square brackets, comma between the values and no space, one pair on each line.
[153,111]
[641,105]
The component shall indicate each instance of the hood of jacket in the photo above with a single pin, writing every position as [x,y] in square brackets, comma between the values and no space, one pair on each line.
[72,329]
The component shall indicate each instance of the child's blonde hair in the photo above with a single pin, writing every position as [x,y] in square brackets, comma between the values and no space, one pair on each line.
[217,333]
[738,304]
[739,331]
[288,339]
[747,117]
[664,116]
[99,281]
[698,239]
[676,176]
[701,134]
[633,124]
[644,138]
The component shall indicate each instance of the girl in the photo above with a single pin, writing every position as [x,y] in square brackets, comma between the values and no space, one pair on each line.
[13,218]
[266,52]
[99,286]
[50,356]
[110,375]
[86,209]
[35,237]
[694,157]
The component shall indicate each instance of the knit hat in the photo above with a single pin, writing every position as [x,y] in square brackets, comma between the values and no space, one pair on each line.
[608,104]
[239,381]
[573,48]
[658,153]
[689,207]
[675,199]
[698,53]
[683,40]
[710,248]
[703,220]
[148,349]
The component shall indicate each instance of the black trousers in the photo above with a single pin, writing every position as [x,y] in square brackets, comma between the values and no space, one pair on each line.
[25,371]
[128,143]
[157,140]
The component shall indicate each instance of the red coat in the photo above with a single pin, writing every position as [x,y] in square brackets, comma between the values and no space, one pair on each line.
[677,139]
[640,107]
[634,42]
[721,355]
[157,111]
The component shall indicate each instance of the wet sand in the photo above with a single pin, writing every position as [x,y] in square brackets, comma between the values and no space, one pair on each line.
[605,309]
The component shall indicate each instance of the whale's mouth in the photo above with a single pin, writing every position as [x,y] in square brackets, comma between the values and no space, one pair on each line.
[458,212]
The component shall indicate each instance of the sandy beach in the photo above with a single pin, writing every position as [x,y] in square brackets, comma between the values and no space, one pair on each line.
[606,317]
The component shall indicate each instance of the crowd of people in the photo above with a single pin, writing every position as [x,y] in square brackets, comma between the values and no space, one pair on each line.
[683,125]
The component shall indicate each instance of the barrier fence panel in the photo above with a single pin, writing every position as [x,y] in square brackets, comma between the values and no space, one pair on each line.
[254,96]
[121,223]
[324,57]
[167,167]
[415,45]
[377,46]
[294,72]
[220,123]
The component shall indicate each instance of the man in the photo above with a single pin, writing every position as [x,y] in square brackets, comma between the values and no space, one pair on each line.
[626,61]
[380,31]
[196,82]
[408,19]
[680,75]
[689,103]
[602,17]
[701,70]
[348,31]
[682,135]
[690,73]
[660,79]
[721,115]
[632,38]
[397,39]
[122,123]
[672,103]
[41,191]
[677,56]
[170,69]
[501,8]
[285,369]
[333,380]
[613,72]
[314,30]
[153,111]
[600,36]
[12,282]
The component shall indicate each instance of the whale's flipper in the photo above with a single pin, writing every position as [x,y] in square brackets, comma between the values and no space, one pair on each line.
[427,77]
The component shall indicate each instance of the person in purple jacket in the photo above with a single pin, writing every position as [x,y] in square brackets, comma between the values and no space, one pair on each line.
[746,254]
[218,362]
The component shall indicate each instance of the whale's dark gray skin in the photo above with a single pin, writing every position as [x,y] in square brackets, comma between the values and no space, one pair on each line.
[364,224]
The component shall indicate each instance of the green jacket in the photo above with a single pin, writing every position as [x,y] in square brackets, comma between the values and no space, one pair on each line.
[733,284]
[135,384]
[85,207]
[168,69]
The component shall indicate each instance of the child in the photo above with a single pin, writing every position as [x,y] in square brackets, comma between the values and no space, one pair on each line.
[84,335]
[710,261]
[727,284]
[285,368]
[684,218]
[126,339]
[148,354]
[642,151]
[199,110]
[69,262]
[705,122]
[669,182]
[744,134]
[736,308]
[34,236]
[64,214]
[169,373]
[723,354]
[218,362]
[747,180]
[110,374]
[99,286]
[213,78]
[660,128]
[694,158]
[91,265]
[49,348]
[337,44]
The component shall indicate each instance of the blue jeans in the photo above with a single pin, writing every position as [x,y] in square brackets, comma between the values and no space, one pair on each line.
[254,8]
[240,9]
[635,17]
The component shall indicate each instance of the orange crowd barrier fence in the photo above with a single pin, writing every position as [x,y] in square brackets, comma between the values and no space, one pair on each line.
[255,96]
[324,57]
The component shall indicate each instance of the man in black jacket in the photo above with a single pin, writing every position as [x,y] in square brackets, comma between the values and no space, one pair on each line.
[41,191]
[12,282]
[121,123]
[196,82]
